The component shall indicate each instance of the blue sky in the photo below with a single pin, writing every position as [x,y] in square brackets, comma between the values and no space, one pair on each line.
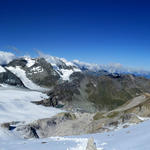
[96,31]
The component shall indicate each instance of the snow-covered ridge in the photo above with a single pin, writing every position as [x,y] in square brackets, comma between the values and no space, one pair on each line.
[80,66]
[63,67]
[55,61]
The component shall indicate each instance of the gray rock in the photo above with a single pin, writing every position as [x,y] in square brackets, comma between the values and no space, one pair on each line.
[11,79]
[27,131]
[91,145]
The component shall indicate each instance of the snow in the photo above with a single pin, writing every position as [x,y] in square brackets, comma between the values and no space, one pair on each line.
[30,61]
[9,141]
[2,69]
[6,57]
[68,63]
[15,105]
[20,73]
[37,69]
[56,61]
[66,74]
[135,137]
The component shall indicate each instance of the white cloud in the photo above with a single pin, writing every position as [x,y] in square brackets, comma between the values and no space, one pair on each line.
[6,57]
[112,68]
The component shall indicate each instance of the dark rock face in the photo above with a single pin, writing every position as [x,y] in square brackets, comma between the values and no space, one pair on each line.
[64,91]
[9,78]
[115,75]
[46,76]
[18,62]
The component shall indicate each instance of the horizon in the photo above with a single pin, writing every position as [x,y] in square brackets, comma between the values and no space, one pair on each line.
[8,56]
[97,32]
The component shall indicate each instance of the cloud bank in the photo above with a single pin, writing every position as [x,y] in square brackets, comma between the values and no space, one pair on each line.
[112,68]
[6,57]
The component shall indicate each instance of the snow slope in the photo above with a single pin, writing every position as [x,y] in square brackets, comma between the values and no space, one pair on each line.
[15,105]
[20,73]
[9,141]
[135,137]
[2,69]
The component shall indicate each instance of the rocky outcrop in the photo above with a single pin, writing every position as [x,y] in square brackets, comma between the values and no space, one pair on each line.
[55,126]
[42,73]
[67,123]
[27,131]
[9,78]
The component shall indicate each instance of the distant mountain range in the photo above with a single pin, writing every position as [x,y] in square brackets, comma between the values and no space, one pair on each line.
[62,66]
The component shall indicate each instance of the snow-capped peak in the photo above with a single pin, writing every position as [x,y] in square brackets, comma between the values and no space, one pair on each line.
[30,61]
[66,68]
[63,67]
[55,61]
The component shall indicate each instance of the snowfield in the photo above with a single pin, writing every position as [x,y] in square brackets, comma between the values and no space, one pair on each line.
[15,105]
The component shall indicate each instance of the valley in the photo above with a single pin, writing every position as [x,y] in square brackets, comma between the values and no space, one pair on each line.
[48,101]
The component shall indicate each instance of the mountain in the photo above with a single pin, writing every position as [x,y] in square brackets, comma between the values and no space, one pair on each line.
[50,96]
[110,68]
[74,85]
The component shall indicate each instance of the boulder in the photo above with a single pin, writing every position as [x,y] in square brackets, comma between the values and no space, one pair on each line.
[91,145]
